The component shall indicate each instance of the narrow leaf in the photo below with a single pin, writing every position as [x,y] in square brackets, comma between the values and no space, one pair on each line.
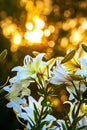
[81,128]
[73,112]
[42,125]
[84,94]
[76,96]
[31,122]
[84,47]
[36,114]
[78,119]
[68,57]
[3,55]
[84,101]
[63,126]
[36,110]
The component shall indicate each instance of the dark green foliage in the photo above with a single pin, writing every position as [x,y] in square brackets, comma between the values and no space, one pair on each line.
[84,94]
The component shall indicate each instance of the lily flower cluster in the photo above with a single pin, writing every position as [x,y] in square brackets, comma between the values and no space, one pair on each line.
[69,71]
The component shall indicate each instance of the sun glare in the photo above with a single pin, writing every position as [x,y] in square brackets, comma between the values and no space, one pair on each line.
[29,26]
[38,22]
[17,39]
[76,37]
[34,36]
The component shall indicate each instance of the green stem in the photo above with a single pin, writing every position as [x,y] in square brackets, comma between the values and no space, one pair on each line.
[75,89]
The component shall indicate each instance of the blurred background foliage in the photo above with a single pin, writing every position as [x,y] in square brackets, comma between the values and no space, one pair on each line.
[50,26]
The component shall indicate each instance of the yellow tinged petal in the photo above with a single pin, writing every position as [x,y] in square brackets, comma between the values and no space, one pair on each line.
[35,53]
[51,63]
[72,65]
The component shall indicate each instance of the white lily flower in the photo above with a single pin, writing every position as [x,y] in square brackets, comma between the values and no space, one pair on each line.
[28,112]
[32,101]
[34,69]
[30,69]
[60,75]
[16,93]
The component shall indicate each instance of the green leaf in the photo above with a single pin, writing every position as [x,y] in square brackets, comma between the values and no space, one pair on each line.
[84,94]
[63,126]
[74,123]
[36,114]
[32,123]
[82,127]
[3,55]
[2,90]
[68,57]
[36,110]
[85,84]
[84,101]
[73,112]
[44,102]
[45,113]
[41,125]
[76,96]
[84,47]
[77,120]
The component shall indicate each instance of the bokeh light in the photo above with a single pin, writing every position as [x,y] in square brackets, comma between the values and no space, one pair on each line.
[29,26]
[47,33]
[36,29]
[34,36]
[17,39]
[38,22]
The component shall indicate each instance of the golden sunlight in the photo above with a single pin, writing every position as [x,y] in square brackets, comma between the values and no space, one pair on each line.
[64,42]
[84,25]
[76,37]
[17,39]
[29,26]
[34,36]
[38,22]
